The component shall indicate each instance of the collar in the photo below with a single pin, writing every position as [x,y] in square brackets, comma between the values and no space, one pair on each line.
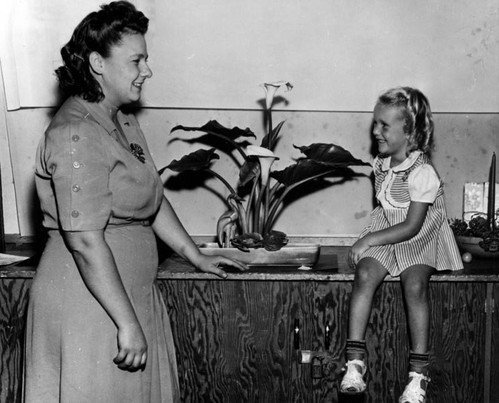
[101,117]
[406,164]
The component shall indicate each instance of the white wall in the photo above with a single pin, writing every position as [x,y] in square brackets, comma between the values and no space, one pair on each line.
[340,54]
[7,179]
[209,60]
[465,143]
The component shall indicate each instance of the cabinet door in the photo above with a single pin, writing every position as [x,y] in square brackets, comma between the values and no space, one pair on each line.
[235,340]
[457,338]
[13,303]
[494,357]
[458,333]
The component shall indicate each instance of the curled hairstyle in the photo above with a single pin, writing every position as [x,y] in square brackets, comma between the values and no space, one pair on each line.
[97,32]
[415,108]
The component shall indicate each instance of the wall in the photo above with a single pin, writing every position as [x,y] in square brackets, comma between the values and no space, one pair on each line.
[7,179]
[339,55]
[464,145]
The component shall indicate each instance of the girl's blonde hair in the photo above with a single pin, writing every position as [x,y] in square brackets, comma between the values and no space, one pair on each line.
[417,114]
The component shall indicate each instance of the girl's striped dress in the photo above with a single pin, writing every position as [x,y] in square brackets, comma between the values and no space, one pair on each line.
[415,179]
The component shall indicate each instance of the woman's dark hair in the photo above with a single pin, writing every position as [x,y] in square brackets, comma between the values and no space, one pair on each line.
[97,32]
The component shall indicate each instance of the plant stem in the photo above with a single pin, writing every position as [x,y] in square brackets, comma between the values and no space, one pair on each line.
[266,203]
[273,191]
[257,224]
[266,200]
[273,211]
[250,204]
[216,175]
[241,214]
[270,129]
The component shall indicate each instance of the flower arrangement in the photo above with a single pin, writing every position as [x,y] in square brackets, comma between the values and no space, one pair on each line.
[478,227]
[258,198]
[481,225]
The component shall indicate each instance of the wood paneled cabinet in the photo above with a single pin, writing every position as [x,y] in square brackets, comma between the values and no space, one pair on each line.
[13,303]
[236,340]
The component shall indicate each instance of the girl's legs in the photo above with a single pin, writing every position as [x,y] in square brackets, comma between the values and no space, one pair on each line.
[415,284]
[368,276]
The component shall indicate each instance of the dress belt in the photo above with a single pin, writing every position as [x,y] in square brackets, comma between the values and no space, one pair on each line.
[144,223]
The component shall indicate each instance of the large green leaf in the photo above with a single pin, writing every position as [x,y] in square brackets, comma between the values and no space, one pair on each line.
[274,135]
[330,154]
[213,127]
[195,161]
[304,170]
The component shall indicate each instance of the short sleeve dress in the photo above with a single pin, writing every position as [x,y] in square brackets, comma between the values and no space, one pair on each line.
[88,177]
[414,179]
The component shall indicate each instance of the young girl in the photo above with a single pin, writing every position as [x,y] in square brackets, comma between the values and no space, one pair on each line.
[408,236]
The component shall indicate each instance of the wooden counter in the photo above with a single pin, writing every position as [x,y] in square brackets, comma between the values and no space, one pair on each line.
[239,339]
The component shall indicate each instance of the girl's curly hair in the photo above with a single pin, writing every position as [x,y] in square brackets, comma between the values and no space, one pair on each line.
[417,114]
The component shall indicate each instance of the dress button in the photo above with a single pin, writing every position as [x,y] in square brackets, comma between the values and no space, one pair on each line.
[75,138]
[76,164]
[76,188]
[75,213]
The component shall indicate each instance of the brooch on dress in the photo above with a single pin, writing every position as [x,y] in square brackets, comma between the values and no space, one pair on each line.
[405,176]
[137,152]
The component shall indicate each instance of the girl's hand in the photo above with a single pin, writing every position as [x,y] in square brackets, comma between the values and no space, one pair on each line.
[358,248]
[132,348]
[211,264]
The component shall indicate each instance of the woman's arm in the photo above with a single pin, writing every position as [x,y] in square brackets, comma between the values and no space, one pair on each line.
[394,234]
[170,230]
[98,269]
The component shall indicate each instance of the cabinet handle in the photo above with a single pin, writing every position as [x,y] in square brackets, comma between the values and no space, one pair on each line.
[296,335]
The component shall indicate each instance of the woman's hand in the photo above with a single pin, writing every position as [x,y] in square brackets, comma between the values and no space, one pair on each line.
[211,264]
[170,230]
[98,270]
[358,248]
[132,348]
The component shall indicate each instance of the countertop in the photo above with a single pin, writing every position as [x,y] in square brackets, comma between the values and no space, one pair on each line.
[331,266]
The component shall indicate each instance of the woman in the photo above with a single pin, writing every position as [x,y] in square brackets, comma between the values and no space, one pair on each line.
[97,329]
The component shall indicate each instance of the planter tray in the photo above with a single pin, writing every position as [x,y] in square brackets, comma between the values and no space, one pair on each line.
[471,244]
[298,254]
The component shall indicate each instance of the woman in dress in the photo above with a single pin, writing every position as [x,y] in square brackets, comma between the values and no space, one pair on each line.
[97,328]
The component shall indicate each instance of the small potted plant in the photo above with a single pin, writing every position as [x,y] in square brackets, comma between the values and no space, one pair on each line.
[257,200]
[480,236]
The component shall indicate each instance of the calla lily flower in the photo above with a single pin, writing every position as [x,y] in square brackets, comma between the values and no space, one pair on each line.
[250,226]
[265,158]
[271,89]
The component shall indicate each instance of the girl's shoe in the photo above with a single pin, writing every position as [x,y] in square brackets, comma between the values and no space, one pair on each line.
[353,382]
[415,391]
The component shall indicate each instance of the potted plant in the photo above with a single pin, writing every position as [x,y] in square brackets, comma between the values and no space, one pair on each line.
[480,236]
[257,200]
